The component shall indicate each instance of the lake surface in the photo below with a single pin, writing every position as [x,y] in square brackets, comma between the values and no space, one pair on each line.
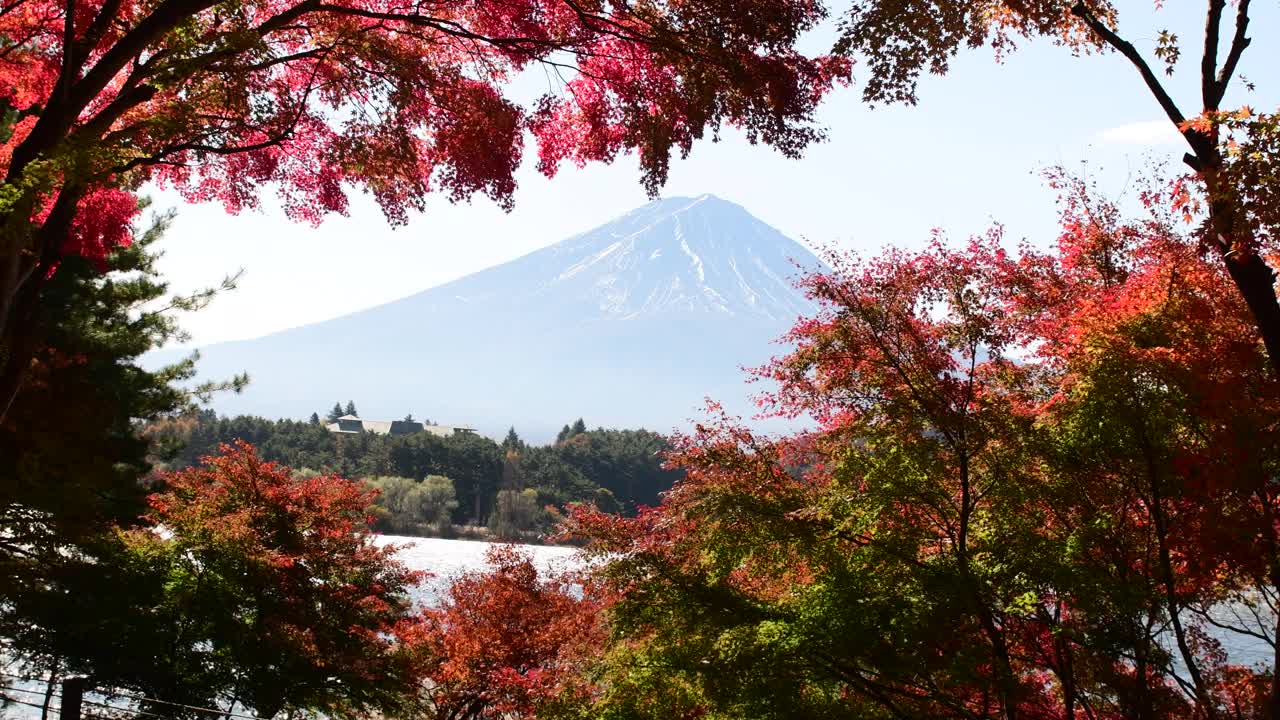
[447,559]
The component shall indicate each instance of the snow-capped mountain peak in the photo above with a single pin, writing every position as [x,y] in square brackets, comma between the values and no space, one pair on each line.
[633,322]
[702,254]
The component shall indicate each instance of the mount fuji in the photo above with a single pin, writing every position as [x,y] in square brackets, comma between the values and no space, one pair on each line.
[630,324]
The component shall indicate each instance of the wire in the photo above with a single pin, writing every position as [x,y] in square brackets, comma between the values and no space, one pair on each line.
[20,702]
[145,699]
[24,678]
[128,696]
[134,698]
[28,678]
[131,711]
[189,707]
[29,692]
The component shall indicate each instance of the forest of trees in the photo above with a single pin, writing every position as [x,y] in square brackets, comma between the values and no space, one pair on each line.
[512,488]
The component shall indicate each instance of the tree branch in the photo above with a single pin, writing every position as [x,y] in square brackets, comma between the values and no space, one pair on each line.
[62,114]
[1239,42]
[100,23]
[1199,144]
[1209,60]
[65,76]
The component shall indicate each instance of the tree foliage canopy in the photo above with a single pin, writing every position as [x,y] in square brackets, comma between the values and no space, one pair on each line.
[247,584]
[1035,482]
[614,469]
[509,642]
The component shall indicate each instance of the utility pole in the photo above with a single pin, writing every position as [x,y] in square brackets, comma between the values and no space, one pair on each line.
[72,697]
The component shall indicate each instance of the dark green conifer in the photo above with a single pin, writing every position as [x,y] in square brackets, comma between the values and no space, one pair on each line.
[512,441]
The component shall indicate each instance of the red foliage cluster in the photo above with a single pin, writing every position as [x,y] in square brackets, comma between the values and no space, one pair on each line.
[506,643]
[102,224]
[1144,297]
[261,508]
[398,98]
[308,609]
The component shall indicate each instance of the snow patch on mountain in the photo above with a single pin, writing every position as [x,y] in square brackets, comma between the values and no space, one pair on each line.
[679,255]
[697,261]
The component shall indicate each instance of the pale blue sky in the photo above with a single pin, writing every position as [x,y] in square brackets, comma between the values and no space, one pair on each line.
[968,155]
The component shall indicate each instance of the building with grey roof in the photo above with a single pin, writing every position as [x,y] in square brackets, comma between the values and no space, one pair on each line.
[350,425]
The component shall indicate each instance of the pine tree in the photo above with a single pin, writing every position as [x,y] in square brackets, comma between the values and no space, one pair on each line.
[565,433]
[73,463]
[512,441]
[351,408]
[315,419]
[512,472]
[579,427]
[336,412]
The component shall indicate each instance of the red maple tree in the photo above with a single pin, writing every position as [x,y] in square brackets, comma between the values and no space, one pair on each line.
[506,643]
[279,587]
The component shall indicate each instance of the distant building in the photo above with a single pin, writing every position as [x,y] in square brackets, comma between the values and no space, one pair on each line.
[350,425]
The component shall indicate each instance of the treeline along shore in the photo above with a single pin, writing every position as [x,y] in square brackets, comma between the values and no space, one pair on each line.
[456,485]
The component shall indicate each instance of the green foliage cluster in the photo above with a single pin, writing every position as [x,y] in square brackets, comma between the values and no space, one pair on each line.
[69,456]
[69,453]
[616,470]
[516,512]
[77,593]
[409,507]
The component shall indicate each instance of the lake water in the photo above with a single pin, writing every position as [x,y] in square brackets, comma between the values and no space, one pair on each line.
[447,559]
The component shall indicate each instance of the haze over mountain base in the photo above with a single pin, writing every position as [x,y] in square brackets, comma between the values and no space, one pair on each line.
[630,324]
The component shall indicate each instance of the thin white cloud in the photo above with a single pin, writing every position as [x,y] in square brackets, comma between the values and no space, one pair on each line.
[1151,132]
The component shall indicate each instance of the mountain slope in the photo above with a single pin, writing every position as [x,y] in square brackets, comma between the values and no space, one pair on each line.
[631,323]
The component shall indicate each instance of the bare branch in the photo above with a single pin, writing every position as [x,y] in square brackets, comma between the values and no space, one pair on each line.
[1209,60]
[1239,42]
[1199,144]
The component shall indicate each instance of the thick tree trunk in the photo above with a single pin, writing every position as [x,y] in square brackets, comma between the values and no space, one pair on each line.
[10,272]
[17,341]
[1273,707]
[16,257]
[18,331]
[1255,281]
[1253,277]
[20,349]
